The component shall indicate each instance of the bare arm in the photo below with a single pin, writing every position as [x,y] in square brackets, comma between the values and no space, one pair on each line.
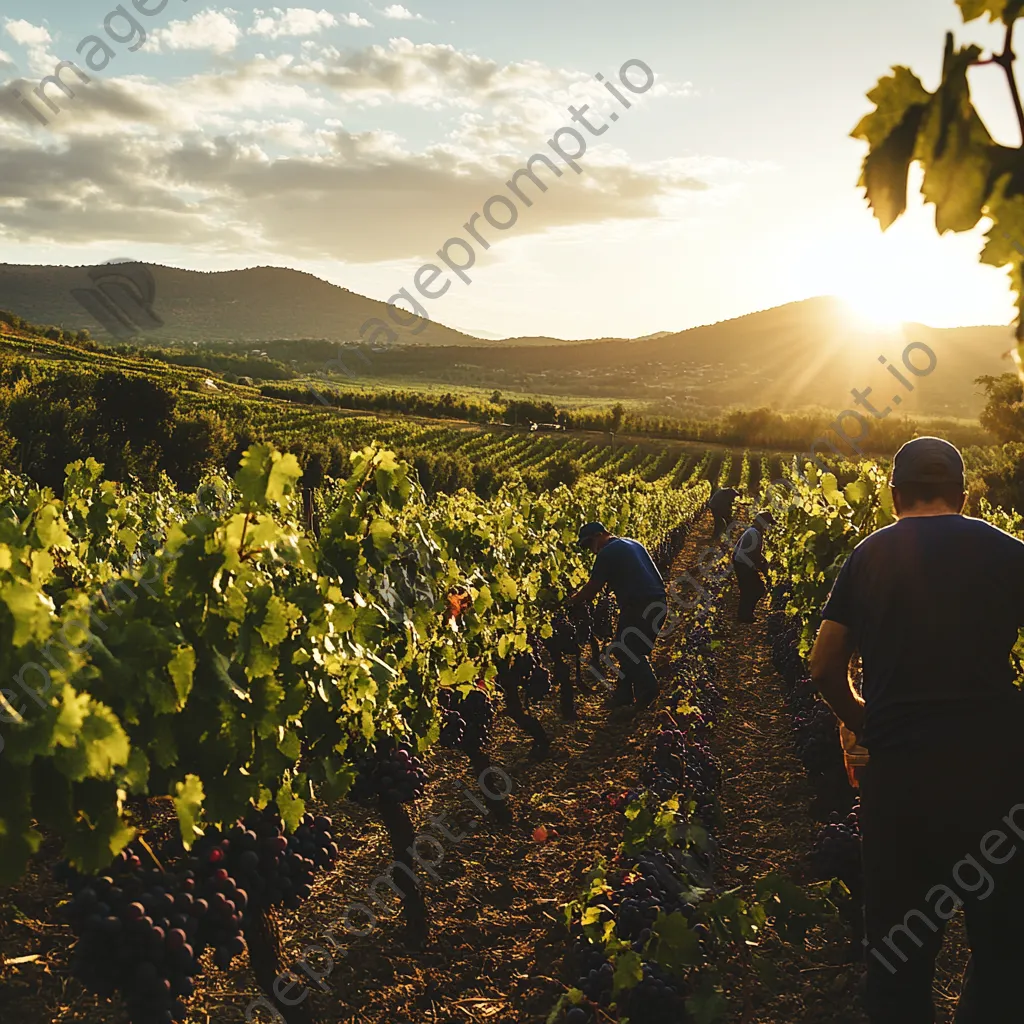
[586,595]
[830,673]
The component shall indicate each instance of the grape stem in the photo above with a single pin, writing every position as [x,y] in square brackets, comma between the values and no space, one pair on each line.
[1006,60]
[149,850]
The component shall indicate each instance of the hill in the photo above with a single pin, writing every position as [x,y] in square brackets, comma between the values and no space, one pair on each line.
[805,354]
[255,305]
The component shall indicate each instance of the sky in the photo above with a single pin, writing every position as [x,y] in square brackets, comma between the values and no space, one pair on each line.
[353,140]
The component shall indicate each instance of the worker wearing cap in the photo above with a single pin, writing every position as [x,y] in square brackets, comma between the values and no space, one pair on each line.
[626,567]
[749,565]
[933,603]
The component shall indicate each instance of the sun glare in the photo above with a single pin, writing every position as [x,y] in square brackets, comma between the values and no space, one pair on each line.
[873,313]
[906,275]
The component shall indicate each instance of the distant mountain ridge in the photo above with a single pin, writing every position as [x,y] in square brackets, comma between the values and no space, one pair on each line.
[804,354]
[808,353]
[254,305]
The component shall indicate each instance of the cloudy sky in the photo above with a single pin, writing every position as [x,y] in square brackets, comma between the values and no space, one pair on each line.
[352,140]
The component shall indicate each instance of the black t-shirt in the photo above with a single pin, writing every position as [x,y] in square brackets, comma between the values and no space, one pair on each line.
[722,500]
[934,605]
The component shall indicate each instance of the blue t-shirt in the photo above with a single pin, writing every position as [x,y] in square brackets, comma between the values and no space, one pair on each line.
[934,605]
[628,569]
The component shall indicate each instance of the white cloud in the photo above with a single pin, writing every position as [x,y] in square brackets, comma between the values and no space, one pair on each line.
[354,20]
[27,34]
[255,156]
[427,74]
[295,21]
[396,12]
[208,30]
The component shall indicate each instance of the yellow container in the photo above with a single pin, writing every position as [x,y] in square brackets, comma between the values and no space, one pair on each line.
[855,756]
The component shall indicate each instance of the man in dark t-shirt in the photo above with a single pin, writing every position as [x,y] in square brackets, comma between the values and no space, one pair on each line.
[933,604]
[626,567]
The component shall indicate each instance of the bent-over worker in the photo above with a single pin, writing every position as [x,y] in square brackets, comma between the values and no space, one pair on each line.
[627,567]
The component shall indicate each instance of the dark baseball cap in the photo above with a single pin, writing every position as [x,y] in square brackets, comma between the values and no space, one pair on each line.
[927,460]
[589,532]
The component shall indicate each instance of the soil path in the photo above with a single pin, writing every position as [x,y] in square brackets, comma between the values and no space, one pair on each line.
[770,824]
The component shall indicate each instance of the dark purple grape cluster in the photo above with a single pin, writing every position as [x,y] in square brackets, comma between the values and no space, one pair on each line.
[563,642]
[596,982]
[837,851]
[659,998]
[476,712]
[453,729]
[578,1015]
[272,867]
[140,932]
[816,735]
[669,747]
[701,768]
[582,618]
[391,773]
[601,621]
[142,929]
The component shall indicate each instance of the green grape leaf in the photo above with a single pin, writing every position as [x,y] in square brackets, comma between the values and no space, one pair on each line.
[707,1005]
[31,610]
[856,491]
[97,746]
[99,836]
[290,806]
[955,148]
[182,667]
[290,745]
[129,538]
[891,132]
[284,473]
[276,621]
[675,945]
[997,10]
[50,527]
[628,972]
[266,475]
[830,489]
[136,774]
[188,802]
[381,533]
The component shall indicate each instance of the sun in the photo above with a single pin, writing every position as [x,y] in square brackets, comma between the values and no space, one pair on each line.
[874,313]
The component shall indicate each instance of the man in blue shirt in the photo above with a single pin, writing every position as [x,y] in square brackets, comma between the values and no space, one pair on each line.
[933,604]
[626,567]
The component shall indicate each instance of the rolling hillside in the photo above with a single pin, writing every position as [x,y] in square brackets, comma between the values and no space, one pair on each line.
[809,353]
[255,305]
[800,355]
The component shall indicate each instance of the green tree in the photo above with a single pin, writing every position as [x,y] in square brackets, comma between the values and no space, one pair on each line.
[618,413]
[1003,415]
[196,445]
